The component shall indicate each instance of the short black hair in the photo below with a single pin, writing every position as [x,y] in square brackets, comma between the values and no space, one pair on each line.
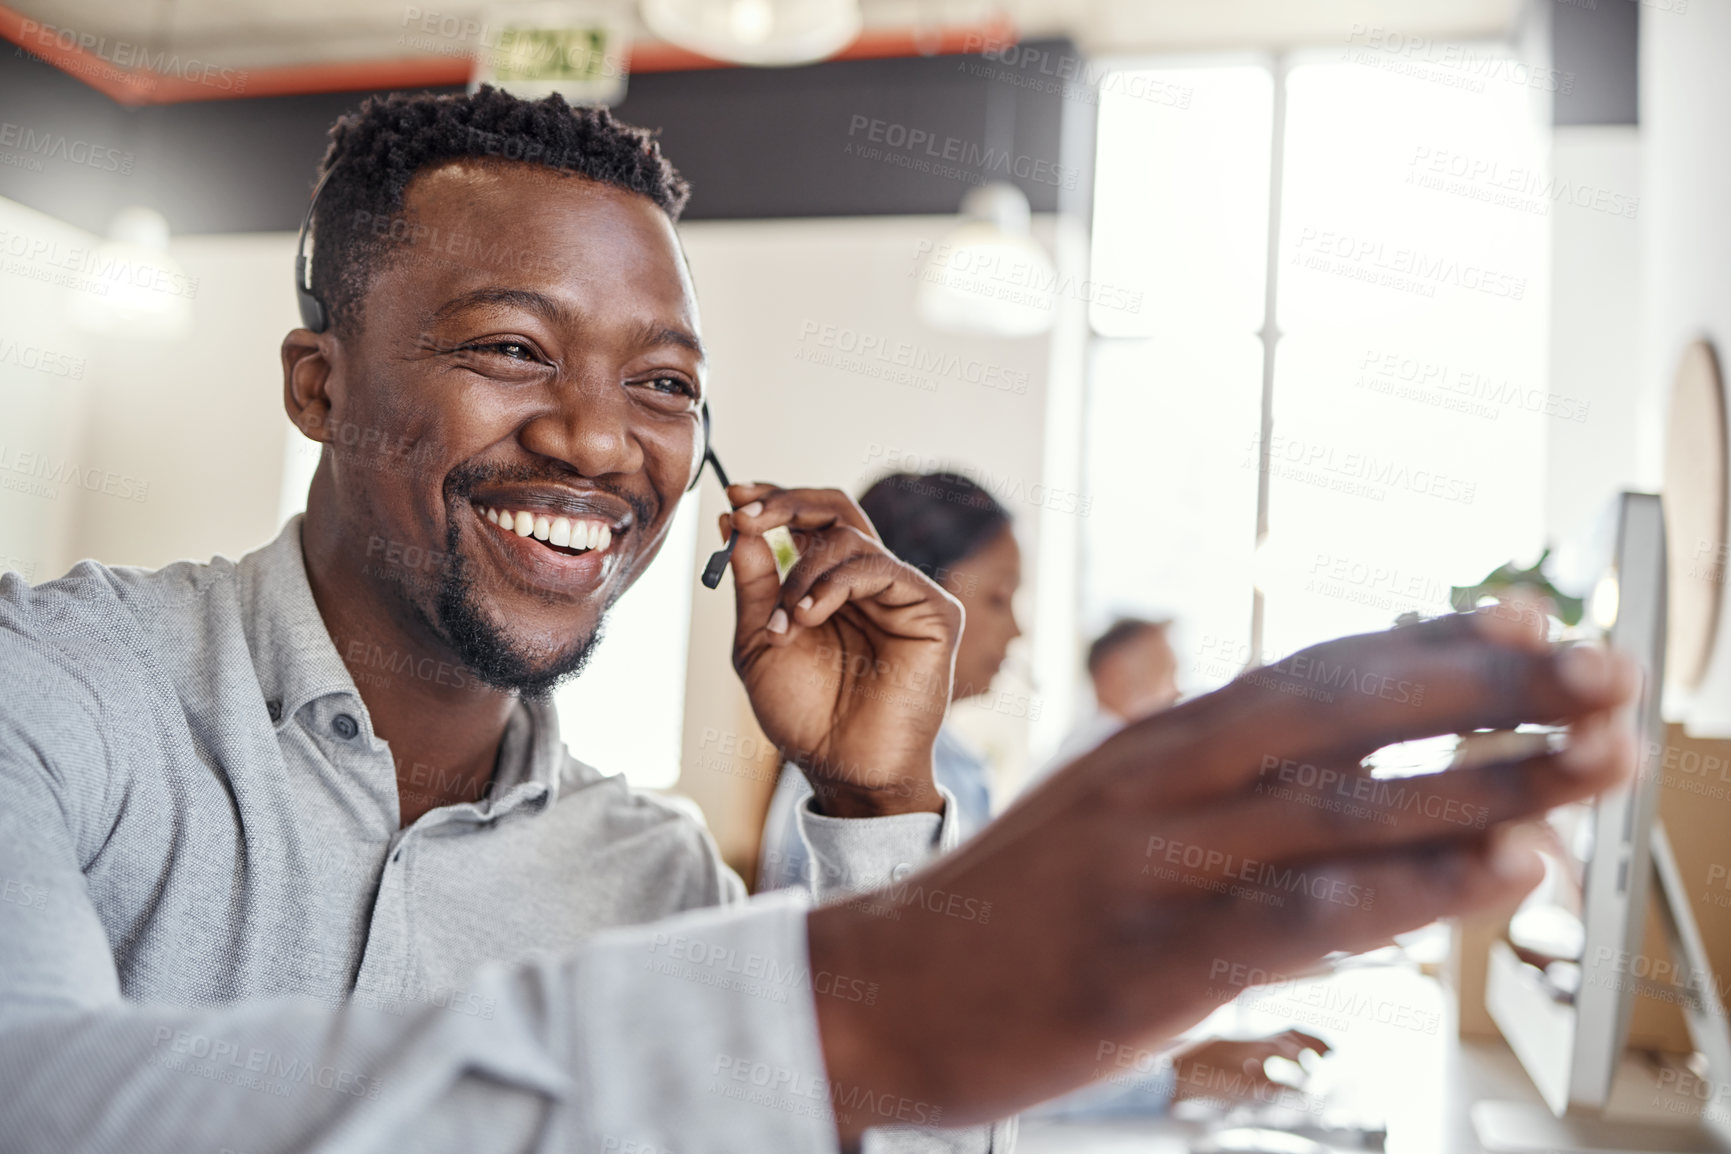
[376,150]
[933,520]
[1121,633]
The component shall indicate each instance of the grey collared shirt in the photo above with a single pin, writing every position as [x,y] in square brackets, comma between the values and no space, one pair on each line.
[213,936]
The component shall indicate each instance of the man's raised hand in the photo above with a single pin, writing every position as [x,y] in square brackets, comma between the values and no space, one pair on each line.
[848,661]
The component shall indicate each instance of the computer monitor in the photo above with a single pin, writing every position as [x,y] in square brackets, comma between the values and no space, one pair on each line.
[1568,1022]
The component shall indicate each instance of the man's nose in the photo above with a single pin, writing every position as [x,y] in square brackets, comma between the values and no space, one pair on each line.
[588,426]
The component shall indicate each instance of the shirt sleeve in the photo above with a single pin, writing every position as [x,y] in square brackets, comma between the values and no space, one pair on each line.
[855,854]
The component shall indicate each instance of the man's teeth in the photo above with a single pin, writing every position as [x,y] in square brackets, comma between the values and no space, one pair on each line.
[565,532]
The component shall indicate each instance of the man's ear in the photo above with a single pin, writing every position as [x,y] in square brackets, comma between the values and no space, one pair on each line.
[306,382]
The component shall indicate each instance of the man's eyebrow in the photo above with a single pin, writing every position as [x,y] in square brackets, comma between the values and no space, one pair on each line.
[535,302]
[649,335]
[654,333]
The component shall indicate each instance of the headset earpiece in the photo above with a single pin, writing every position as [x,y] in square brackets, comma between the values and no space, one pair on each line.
[312,309]
[707,458]
[313,315]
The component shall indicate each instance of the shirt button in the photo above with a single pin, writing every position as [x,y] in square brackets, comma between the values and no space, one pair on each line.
[344,726]
[902,870]
[274,708]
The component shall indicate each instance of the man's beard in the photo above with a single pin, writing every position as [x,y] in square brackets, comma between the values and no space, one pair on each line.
[489,652]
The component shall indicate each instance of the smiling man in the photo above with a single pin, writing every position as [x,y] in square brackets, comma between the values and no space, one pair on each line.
[294,859]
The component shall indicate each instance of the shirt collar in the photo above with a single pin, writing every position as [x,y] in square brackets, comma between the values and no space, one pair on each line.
[531,749]
[296,662]
[292,651]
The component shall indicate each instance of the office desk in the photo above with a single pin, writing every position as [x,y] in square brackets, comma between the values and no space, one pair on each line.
[1396,1058]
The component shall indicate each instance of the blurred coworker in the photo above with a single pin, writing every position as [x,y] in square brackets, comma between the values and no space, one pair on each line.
[960,536]
[1135,674]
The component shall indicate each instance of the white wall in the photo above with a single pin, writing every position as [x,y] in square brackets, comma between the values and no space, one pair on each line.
[176,446]
[45,386]
[1595,344]
[1686,240]
[200,417]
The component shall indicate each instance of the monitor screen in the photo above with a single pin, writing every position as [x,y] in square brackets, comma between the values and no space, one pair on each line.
[1563,989]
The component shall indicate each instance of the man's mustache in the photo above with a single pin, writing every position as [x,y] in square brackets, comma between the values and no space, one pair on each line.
[464,480]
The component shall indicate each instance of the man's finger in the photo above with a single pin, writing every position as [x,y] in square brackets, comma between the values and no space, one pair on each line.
[840,545]
[762,601]
[806,600]
[1291,1044]
[1348,905]
[1300,811]
[1340,701]
[896,597]
[756,585]
[760,508]
[1451,675]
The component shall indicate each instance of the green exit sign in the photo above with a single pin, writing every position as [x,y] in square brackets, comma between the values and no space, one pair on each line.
[578,49]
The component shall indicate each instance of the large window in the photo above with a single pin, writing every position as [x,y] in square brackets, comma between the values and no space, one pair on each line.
[1404,373]
[1180,217]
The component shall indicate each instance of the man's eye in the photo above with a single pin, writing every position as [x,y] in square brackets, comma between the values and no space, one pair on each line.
[511,349]
[674,385]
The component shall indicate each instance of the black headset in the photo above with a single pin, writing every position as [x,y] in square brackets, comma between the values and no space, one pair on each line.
[316,318]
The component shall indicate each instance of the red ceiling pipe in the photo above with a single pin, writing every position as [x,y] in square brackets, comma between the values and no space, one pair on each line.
[73,54]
